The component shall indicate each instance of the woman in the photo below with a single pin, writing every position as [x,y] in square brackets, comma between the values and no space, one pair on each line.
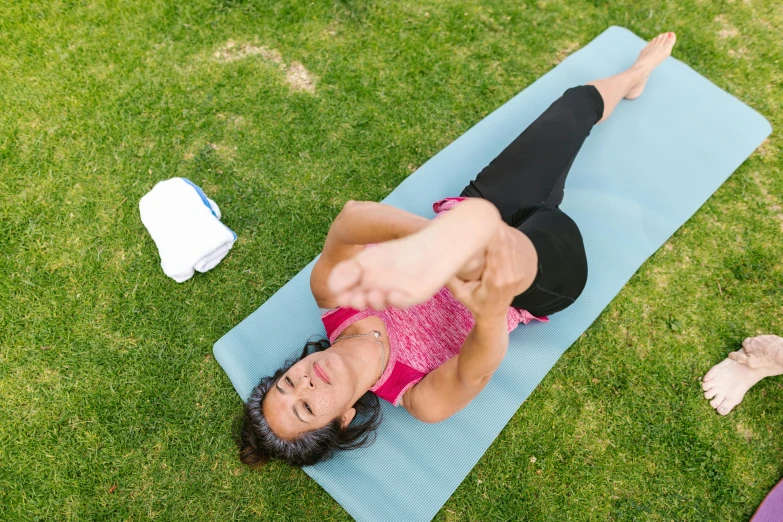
[504,251]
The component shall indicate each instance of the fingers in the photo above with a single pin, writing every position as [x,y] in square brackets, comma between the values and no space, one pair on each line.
[497,257]
[456,286]
[491,260]
[504,261]
[462,290]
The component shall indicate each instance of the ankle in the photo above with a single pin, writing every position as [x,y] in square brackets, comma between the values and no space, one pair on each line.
[772,371]
[638,72]
[778,358]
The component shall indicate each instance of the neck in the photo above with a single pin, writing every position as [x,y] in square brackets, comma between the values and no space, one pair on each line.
[364,356]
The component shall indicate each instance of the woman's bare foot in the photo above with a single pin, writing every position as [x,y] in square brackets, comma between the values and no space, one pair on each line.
[656,51]
[394,273]
[727,382]
[760,352]
[410,270]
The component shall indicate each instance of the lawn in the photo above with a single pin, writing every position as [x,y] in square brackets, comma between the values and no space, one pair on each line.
[113,407]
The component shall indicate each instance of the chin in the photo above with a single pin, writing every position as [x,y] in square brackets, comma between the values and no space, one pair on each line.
[334,365]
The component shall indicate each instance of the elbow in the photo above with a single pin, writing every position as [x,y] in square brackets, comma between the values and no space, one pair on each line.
[475,382]
[351,209]
[434,420]
[433,417]
[351,206]
[348,209]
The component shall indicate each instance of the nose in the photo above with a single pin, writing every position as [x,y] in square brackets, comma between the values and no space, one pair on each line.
[306,382]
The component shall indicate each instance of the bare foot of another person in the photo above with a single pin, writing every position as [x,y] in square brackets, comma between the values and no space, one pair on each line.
[727,382]
[656,51]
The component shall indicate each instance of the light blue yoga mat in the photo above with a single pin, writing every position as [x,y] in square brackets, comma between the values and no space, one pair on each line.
[638,177]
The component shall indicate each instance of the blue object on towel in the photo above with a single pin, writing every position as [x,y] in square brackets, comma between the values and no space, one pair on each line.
[638,177]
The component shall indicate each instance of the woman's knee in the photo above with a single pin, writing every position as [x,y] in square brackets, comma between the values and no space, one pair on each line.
[562,262]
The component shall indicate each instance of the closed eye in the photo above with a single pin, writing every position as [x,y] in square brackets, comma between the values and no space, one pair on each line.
[289,382]
[308,408]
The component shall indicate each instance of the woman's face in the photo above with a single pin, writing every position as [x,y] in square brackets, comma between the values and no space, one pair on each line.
[311,394]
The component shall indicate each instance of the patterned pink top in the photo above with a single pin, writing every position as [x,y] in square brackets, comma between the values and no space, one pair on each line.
[421,337]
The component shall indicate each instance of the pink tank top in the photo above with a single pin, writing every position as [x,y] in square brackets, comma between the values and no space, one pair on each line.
[421,337]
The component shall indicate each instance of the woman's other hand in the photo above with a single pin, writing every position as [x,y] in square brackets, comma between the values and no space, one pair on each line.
[504,277]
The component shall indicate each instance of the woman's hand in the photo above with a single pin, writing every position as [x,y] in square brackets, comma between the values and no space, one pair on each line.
[502,279]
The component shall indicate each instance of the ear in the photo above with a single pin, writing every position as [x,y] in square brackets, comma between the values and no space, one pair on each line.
[347,417]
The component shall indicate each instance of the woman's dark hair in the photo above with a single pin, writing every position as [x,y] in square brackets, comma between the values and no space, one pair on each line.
[258,443]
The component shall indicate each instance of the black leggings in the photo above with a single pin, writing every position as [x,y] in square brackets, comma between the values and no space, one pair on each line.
[526,183]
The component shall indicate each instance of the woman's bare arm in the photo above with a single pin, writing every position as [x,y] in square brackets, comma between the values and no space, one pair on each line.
[455,383]
[366,222]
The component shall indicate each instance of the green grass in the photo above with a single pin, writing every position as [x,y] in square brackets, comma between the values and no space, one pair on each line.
[112,405]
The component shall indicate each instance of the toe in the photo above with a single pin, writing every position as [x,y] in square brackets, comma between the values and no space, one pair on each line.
[709,394]
[740,356]
[717,400]
[376,299]
[721,367]
[707,385]
[398,299]
[726,406]
[357,300]
[344,276]
[713,372]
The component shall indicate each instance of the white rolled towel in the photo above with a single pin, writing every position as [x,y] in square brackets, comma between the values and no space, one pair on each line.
[185,225]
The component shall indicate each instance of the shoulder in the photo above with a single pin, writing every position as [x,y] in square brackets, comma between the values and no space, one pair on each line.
[397,380]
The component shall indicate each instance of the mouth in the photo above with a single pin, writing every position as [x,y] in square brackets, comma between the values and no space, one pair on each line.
[321,373]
